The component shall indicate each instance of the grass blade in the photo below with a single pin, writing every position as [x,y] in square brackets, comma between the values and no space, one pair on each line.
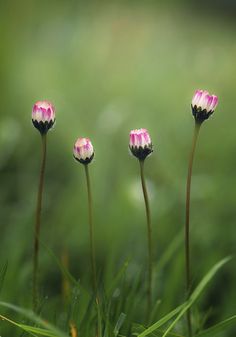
[119,323]
[29,314]
[3,274]
[162,321]
[117,278]
[170,251]
[219,327]
[158,333]
[29,329]
[99,318]
[15,324]
[63,270]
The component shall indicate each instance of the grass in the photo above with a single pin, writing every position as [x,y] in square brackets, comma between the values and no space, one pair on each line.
[105,325]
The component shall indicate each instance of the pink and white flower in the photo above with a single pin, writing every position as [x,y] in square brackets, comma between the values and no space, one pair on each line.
[140,143]
[203,105]
[83,150]
[43,116]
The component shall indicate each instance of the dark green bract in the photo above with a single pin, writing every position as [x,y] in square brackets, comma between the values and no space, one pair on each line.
[141,152]
[43,127]
[85,161]
[201,115]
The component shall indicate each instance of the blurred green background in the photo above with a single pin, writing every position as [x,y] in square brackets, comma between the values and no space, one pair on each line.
[109,67]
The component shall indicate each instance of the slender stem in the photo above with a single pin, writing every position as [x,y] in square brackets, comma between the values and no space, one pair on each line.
[149,237]
[91,231]
[187,215]
[38,222]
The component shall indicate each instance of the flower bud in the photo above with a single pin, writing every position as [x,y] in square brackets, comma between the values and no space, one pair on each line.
[140,143]
[203,105]
[83,150]
[43,116]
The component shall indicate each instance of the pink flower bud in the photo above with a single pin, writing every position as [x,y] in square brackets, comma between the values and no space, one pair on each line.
[203,105]
[43,116]
[140,143]
[83,150]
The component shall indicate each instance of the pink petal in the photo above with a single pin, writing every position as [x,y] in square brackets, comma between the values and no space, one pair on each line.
[214,102]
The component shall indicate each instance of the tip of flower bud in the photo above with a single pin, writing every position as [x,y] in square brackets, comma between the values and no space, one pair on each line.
[43,116]
[140,143]
[203,105]
[83,150]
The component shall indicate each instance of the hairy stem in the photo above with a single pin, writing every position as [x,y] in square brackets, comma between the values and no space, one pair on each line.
[149,237]
[91,231]
[187,215]
[38,222]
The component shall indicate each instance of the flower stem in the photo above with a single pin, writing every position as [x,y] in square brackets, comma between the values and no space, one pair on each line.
[187,215]
[149,237]
[38,222]
[91,231]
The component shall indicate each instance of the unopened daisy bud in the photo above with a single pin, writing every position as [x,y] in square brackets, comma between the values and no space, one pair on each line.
[83,150]
[140,143]
[203,105]
[43,116]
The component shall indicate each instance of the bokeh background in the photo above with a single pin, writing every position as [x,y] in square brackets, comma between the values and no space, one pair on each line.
[108,67]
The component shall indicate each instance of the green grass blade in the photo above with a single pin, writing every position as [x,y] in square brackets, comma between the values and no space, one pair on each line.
[158,333]
[63,270]
[21,326]
[99,317]
[38,331]
[169,252]
[196,293]
[30,329]
[162,321]
[117,278]
[30,315]
[107,323]
[3,274]
[119,323]
[154,311]
[219,327]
